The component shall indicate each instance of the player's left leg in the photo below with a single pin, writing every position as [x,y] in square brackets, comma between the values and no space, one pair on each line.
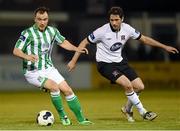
[73,103]
[138,87]
[56,100]
[71,98]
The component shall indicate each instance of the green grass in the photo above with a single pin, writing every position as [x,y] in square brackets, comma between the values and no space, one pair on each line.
[18,110]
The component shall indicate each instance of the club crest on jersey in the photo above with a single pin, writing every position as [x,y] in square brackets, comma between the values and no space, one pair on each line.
[123,37]
[115,73]
[92,36]
[116,46]
[22,37]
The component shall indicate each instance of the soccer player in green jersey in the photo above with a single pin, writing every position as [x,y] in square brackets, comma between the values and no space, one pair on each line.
[34,46]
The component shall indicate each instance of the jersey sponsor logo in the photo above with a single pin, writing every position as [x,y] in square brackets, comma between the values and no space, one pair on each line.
[22,37]
[92,36]
[116,46]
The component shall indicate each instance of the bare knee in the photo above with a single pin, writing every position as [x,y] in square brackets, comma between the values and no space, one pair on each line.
[65,88]
[141,87]
[128,87]
[138,85]
[125,82]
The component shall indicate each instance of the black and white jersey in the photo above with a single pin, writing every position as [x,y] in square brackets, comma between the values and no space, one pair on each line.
[110,42]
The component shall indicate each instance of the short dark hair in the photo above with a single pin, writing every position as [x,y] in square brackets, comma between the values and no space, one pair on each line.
[41,10]
[116,11]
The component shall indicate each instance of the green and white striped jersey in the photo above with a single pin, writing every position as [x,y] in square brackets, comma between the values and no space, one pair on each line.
[33,41]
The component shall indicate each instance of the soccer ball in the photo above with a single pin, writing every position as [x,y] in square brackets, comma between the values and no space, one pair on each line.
[45,118]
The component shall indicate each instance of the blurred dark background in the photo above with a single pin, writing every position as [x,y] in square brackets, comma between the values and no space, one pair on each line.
[80,6]
[77,18]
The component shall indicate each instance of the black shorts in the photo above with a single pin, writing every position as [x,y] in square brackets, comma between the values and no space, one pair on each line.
[112,71]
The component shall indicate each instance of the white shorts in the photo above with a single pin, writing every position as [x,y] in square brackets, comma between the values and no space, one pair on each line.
[38,77]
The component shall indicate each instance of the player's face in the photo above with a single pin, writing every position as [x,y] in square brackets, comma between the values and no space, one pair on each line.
[115,21]
[41,20]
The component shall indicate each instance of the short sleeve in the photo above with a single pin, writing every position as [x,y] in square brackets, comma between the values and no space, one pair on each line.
[96,35]
[22,41]
[58,37]
[134,34]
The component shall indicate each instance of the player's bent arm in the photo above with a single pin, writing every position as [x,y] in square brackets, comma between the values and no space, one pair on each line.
[149,41]
[19,53]
[72,64]
[83,44]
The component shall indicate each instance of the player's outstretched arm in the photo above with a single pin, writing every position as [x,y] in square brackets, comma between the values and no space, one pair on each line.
[72,64]
[149,41]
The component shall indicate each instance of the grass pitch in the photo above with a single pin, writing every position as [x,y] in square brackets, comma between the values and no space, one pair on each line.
[18,110]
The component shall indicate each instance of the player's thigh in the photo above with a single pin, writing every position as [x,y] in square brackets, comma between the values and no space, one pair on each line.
[35,78]
[54,75]
[137,84]
[51,85]
[110,71]
[128,72]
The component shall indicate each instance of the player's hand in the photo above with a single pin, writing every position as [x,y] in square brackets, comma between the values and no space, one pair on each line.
[82,50]
[71,66]
[32,58]
[171,49]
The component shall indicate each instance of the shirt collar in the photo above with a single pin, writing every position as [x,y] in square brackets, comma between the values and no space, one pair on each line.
[113,30]
[36,27]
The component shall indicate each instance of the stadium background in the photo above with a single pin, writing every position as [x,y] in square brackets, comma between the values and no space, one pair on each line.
[75,20]
[20,102]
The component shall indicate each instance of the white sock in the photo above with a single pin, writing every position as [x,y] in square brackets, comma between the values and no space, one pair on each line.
[132,96]
[129,104]
[70,97]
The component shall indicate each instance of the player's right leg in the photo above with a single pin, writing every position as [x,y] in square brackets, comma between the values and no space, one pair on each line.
[39,79]
[138,87]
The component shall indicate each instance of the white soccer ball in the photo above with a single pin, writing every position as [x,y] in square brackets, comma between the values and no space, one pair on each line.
[45,118]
